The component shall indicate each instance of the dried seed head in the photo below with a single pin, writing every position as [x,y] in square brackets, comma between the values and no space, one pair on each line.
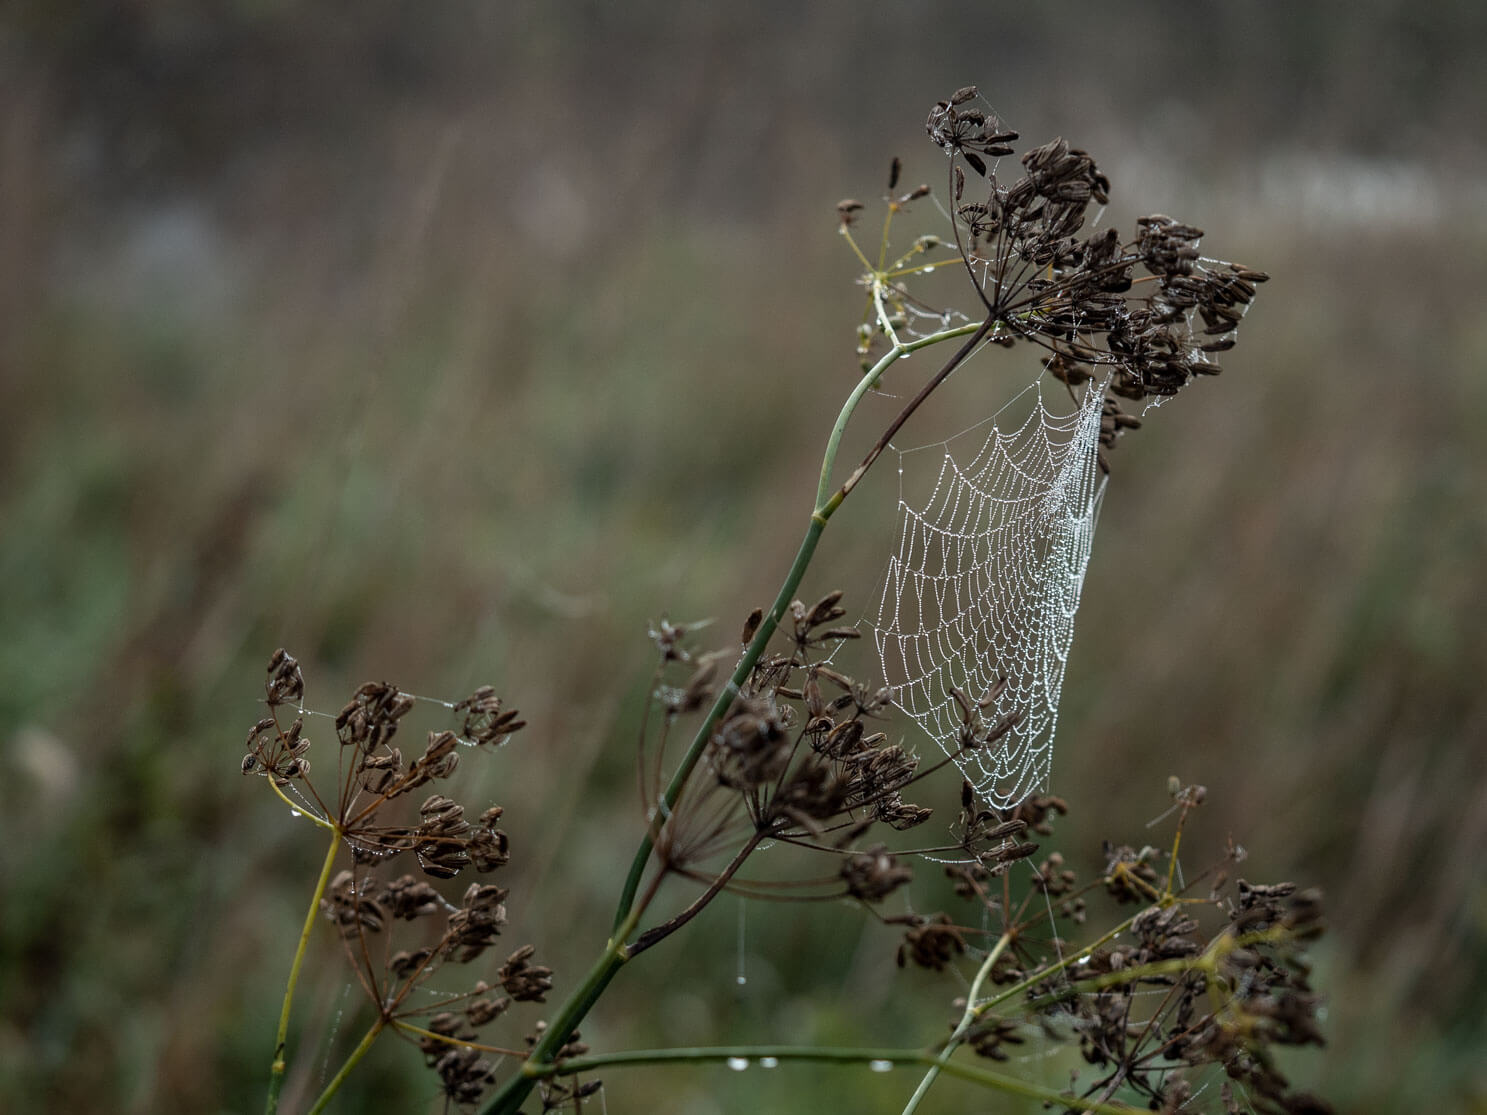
[751,625]
[285,680]
[873,875]
[484,721]
[523,981]
[931,944]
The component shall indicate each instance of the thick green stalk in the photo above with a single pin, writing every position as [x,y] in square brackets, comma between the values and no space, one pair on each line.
[518,1087]
[276,1072]
[826,504]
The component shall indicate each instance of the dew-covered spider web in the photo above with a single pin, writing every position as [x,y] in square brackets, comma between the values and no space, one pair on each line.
[984,582]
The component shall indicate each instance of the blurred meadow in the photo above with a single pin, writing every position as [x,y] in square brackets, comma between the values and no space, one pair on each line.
[452,344]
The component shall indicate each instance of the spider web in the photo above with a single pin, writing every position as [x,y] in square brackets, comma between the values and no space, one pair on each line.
[984,583]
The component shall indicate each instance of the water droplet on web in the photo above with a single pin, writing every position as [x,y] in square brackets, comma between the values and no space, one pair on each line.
[769,1062]
[294,813]
[880,1066]
[930,268]
[738,1064]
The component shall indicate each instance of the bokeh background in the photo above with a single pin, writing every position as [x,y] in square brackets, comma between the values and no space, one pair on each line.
[449,344]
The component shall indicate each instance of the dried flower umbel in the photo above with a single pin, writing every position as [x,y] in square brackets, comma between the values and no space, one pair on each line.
[1203,979]
[1077,296]
[1148,313]
[797,758]
[381,821]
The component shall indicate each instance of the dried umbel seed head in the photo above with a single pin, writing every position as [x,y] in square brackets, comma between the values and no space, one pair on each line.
[356,905]
[375,779]
[750,747]
[477,923]
[488,847]
[1163,933]
[483,1011]
[485,721]
[968,132]
[989,1037]
[277,752]
[286,683]
[898,814]
[404,964]
[873,875]
[1129,875]
[931,943]
[409,898]
[1172,987]
[524,981]
[371,717]
[1038,812]
[464,1073]
[1043,279]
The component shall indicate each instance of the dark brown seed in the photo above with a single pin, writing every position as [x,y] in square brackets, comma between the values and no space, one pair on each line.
[751,626]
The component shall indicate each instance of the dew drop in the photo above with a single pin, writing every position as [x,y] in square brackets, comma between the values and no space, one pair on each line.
[738,1064]
[928,269]
[880,1066]
[769,1062]
[742,977]
[294,813]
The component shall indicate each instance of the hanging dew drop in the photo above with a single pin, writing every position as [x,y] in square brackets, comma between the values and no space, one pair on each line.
[294,813]
[769,1062]
[737,1064]
[880,1066]
[742,977]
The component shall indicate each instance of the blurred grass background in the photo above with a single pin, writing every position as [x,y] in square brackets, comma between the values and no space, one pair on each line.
[451,344]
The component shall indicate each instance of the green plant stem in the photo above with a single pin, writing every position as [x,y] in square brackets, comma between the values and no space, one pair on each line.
[516,1089]
[510,1096]
[276,1070]
[884,1059]
[351,1062]
[1207,963]
[826,504]
[1045,972]
[968,1017]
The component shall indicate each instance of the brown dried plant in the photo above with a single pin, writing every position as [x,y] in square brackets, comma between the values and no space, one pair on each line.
[374,818]
[781,746]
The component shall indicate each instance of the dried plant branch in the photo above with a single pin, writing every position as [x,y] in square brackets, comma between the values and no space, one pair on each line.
[784,749]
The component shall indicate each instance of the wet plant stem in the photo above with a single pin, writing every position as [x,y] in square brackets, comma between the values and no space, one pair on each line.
[276,1071]
[961,1029]
[509,1098]
[517,1087]
[879,1059]
[827,502]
